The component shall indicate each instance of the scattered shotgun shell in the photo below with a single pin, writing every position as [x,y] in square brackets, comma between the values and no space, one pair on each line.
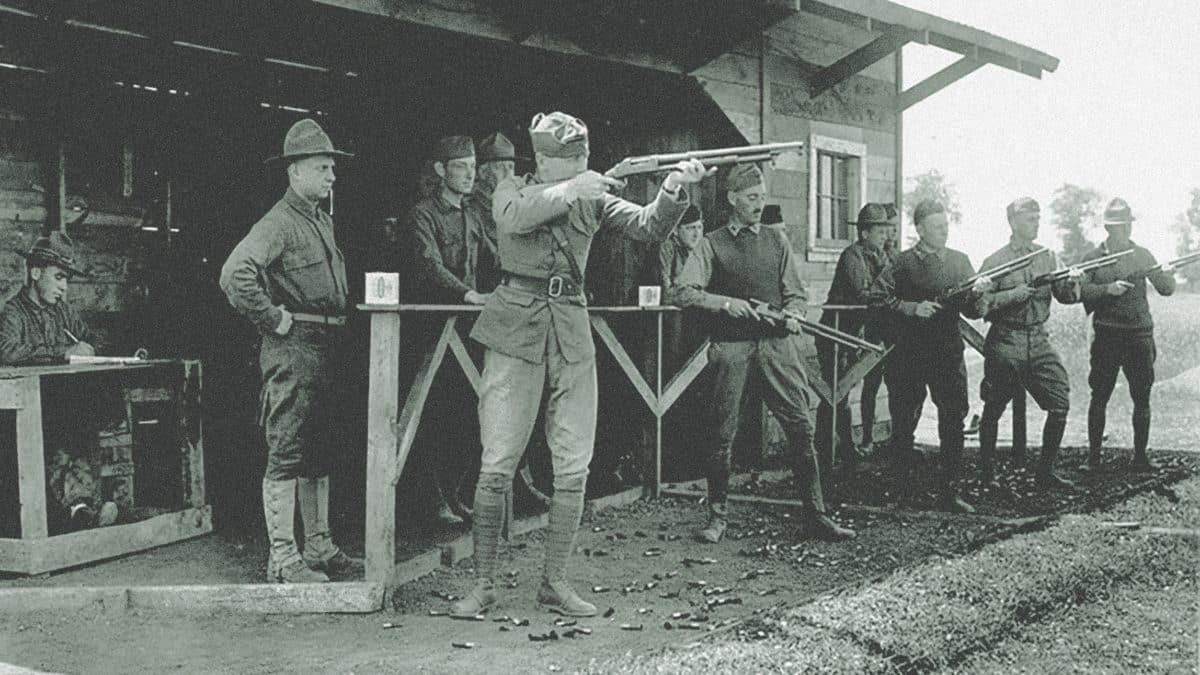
[575,632]
[520,622]
[565,622]
[672,573]
[505,629]
[448,597]
[630,626]
[389,624]
[511,573]
[656,576]
[696,583]
[669,595]
[609,612]
[601,589]
[678,616]
[544,637]
[501,619]
[650,585]
[688,626]
[463,645]
[598,528]
[768,591]
[670,537]
[639,533]
[700,618]
[644,610]
[438,612]
[463,617]
[511,584]
[652,552]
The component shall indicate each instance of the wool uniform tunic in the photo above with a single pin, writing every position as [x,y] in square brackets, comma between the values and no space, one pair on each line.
[449,243]
[33,334]
[745,262]
[535,341]
[290,258]
[1018,355]
[929,352]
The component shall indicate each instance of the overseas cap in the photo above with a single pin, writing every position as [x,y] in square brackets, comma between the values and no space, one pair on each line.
[743,176]
[1023,205]
[558,134]
[926,208]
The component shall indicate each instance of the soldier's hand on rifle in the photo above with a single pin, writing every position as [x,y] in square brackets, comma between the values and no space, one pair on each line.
[792,325]
[927,308]
[1167,269]
[1118,287]
[1023,292]
[739,309]
[689,171]
[1074,274]
[285,321]
[982,285]
[475,298]
[591,185]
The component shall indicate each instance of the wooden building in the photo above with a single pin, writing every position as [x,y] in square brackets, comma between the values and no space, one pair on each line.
[140,127]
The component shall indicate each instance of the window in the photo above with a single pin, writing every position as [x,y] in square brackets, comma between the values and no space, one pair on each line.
[837,183]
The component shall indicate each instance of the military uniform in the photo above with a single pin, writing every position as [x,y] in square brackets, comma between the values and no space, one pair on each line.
[538,338]
[32,333]
[928,354]
[1018,356]
[741,262]
[290,260]
[855,282]
[449,243]
[1123,337]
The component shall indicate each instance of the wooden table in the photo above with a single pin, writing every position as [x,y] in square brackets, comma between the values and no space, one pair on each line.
[392,428]
[36,551]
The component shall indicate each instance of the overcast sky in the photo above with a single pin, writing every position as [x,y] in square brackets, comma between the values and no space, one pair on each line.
[1120,115]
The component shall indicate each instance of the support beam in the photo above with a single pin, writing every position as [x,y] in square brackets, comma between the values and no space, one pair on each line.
[936,82]
[854,62]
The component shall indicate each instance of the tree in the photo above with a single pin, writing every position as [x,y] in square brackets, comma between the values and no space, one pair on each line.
[1187,238]
[930,185]
[1073,211]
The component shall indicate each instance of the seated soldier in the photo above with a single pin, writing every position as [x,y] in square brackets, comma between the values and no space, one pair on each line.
[38,326]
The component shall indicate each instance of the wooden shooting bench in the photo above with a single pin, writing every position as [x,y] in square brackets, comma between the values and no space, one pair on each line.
[392,427]
[159,444]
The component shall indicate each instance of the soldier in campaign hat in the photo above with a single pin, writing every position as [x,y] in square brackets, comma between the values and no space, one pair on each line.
[39,325]
[1123,339]
[746,260]
[538,338]
[288,277]
[1018,356]
[855,282]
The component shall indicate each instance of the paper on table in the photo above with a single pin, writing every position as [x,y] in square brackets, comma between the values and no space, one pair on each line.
[75,359]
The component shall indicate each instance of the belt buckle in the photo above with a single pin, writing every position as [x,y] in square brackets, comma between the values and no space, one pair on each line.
[555,287]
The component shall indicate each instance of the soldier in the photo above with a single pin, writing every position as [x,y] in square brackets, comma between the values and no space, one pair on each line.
[38,325]
[450,234]
[537,334]
[288,277]
[744,260]
[929,349]
[675,251]
[877,330]
[1018,356]
[855,282]
[1124,331]
[496,162]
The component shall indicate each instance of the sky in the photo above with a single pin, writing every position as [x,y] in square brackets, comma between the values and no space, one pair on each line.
[1121,114]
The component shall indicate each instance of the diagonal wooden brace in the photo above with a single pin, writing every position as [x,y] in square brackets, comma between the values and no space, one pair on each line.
[604,331]
[414,405]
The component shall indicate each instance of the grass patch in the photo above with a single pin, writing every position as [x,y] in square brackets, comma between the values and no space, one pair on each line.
[947,614]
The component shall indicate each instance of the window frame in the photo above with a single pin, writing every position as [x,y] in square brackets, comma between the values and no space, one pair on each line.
[822,249]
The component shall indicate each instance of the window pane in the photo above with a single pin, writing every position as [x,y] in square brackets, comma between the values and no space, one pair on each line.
[824,218]
[843,215]
[824,174]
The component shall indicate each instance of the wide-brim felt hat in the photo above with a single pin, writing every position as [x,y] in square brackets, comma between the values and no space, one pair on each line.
[1118,212]
[54,249]
[306,138]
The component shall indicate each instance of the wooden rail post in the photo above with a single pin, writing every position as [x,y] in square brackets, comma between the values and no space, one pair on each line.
[383,402]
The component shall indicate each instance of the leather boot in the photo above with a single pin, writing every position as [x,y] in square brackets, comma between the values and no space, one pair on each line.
[566,507]
[279,508]
[1141,439]
[1096,422]
[487,521]
[1056,423]
[988,430]
[320,553]
[717,522]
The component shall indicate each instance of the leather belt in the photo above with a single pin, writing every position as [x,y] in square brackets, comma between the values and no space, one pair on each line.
[551,287]
[319,318]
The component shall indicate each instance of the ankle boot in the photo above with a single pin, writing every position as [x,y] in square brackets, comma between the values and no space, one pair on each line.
[717,522]
[1052,433]
[279,509]
[1141,439]
[988,430]
[560,598]
[479,600]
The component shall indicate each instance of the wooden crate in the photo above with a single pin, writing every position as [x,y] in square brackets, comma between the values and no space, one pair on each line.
[37,551]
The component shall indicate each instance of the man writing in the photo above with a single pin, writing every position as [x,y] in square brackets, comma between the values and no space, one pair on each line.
[38,325]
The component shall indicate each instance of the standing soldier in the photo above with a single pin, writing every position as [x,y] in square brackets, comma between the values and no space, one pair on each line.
[877,330]
[673,253]
[289,278]
[929,348]
[1018,356]
[733,264]
[496,162]
[450,236]
[537,334]
[1124,331]
[854,282]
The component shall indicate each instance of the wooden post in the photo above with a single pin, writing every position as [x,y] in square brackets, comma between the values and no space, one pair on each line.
[31,461]
[62,186]
[658,414]
[383,401]
[192,432]
[835,401]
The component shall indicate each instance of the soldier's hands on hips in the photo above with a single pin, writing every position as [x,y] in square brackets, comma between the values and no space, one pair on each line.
[927,308]
[1118,287]
[687,172]
[475,298]
[739,309]
[592,185]
[285,321]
